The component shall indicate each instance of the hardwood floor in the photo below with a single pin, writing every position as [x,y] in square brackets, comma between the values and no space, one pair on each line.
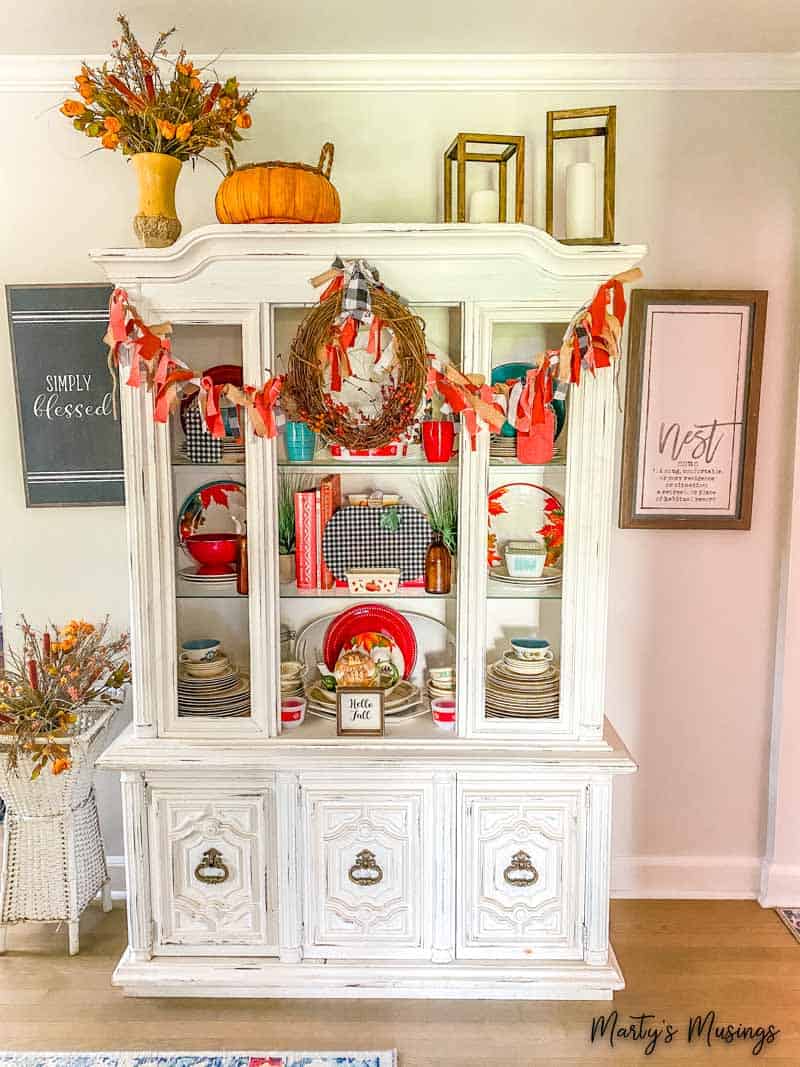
[680,958]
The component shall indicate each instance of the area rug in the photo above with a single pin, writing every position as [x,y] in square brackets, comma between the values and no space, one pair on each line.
[790,917]
[198,1059]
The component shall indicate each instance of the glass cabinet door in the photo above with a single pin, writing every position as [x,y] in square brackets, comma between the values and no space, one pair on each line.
[210,520]
[353,534]
[524,564]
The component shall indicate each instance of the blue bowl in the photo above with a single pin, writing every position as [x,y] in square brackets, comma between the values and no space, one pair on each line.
[199,649]
[529,643]
[197,646]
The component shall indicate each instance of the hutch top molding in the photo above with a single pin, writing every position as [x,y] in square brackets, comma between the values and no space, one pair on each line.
[434,261]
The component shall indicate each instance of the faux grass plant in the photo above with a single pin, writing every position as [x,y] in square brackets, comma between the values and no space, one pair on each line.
[441,506]
[289,485]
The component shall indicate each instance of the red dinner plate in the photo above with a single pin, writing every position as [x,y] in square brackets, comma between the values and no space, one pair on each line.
[365,617]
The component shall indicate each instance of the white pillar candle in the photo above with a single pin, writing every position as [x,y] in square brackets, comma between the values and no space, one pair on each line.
[484,206]
[581,200]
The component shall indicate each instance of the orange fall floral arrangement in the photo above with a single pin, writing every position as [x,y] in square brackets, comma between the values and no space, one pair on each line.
[42,689]
[144,102]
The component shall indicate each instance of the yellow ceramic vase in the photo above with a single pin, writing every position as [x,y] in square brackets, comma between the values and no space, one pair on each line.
[156,225]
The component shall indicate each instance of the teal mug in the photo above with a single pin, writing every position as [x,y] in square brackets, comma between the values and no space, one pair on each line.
[301,442]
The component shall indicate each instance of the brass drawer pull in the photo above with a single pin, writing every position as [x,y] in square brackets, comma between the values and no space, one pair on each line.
[521,872]
[366,870]
[211,869]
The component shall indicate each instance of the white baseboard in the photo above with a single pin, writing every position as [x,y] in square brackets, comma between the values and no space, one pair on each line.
[780,886]
[116,868]
[686,877]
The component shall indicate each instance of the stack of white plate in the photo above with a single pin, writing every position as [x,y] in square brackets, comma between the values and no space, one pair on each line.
[401,701]
[292,680]
[200,576]
[232,453]
[501,447]
[550,576]
[441,682]
[519,689]
[506,448]
[213,688]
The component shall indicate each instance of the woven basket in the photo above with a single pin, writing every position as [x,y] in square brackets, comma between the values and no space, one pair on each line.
[53,859]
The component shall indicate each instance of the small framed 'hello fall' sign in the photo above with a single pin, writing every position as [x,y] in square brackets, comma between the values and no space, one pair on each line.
[359,712]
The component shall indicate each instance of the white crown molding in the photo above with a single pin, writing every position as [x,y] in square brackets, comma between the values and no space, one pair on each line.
[726,71]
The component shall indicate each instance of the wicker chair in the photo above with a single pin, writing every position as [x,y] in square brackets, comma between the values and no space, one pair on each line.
[53,860]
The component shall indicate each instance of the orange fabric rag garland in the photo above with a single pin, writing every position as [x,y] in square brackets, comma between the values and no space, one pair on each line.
[146,353]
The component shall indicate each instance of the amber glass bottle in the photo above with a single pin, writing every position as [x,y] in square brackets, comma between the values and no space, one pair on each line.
[438,566]
[242,577]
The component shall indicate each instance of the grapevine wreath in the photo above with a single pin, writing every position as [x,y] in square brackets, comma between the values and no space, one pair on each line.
[319,360]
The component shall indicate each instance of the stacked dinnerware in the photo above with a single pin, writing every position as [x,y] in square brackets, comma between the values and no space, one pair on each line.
[292,673]
[402,700]
[212,688]
[222,577]
[233,451]
[441,682]
[524,684]
[502,447]
[550,576]
[505,448]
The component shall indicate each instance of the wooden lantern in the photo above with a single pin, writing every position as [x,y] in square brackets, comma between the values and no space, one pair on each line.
[460,154]
[608,132]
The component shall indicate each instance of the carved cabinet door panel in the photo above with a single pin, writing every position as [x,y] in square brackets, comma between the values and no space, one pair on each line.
[213,871]
[522,869]
[368,870]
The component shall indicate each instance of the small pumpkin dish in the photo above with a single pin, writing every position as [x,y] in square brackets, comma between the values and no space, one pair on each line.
[278,192]
[364,580]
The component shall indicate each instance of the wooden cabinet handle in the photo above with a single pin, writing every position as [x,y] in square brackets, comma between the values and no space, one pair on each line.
[521,872]
[211,869]
[366,870]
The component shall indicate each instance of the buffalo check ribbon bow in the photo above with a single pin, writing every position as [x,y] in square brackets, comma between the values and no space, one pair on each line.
[355,279]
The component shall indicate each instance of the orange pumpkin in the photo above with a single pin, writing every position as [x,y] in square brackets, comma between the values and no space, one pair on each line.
[279,192]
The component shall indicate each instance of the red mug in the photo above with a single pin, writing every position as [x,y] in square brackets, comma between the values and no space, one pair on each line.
[443,710]
[438,439]
[293,712]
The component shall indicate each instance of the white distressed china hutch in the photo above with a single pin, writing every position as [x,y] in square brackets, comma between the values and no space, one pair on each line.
[448,819]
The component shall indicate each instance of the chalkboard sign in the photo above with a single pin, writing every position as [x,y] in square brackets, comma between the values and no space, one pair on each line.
[71,442]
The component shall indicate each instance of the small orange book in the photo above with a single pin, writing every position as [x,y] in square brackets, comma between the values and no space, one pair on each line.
[330,501]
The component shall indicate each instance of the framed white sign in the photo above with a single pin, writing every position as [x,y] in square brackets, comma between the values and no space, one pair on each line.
[691,420]
[359,712]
